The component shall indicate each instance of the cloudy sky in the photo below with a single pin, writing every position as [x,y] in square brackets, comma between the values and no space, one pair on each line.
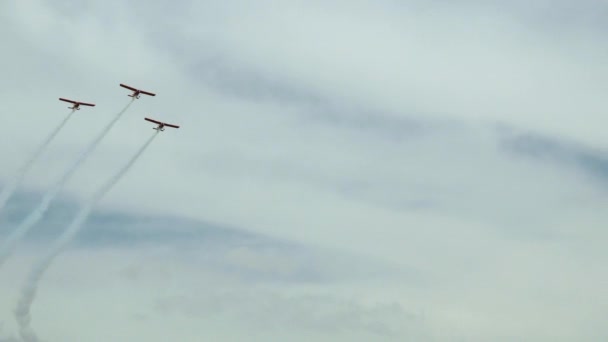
[344,171]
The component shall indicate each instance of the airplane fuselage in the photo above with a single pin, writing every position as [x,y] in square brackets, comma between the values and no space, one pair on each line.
[135,94]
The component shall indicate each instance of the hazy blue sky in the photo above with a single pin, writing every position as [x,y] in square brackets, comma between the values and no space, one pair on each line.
[345,170]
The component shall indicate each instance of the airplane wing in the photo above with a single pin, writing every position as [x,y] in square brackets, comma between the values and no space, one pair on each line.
[126,86]
[87,104]
[156,122]
[162,123]
[66,100]
[147,93]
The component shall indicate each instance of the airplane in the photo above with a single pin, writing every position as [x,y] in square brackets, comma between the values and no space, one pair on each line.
[77,104]
[136,92]
[161,125]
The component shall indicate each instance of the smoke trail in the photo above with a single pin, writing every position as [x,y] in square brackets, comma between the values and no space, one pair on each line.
[28,292]
[8,190]
[9,244]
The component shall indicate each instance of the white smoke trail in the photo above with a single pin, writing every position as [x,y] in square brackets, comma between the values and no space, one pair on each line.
[9,189]
[28,292]
[9,244]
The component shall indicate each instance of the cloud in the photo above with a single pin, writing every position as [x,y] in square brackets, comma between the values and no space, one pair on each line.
[179,280]
[565,154]
[157,281]
[297,314]
[481,62]
[450,154]
[6,338]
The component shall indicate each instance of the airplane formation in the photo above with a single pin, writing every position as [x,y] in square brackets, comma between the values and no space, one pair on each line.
[22,312]
[136,94]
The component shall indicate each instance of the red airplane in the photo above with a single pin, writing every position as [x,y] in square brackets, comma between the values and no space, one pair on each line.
[136,92]
[77,104]
[161,125]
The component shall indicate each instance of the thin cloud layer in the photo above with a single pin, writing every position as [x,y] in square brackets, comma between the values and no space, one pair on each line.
[464,141]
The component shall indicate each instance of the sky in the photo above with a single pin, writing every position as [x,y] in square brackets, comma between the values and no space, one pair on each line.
[343,171]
